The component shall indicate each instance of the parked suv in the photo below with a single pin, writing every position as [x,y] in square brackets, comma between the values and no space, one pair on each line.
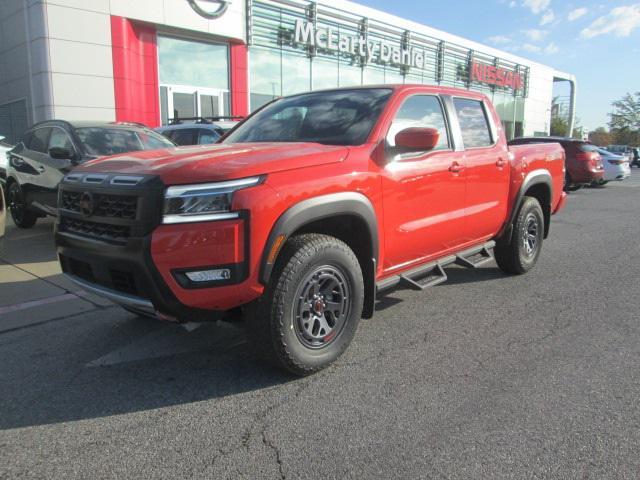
[51,149]
[309,209]
[198,131]
[583,162]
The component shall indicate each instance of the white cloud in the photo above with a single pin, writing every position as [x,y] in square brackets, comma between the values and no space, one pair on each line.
[528,47]
[535,34]
[499,40]
[577,13]
[512,4]
[547,17]
[536,6]
[620,21]
[551,49]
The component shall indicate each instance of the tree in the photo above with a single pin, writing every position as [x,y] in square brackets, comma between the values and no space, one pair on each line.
[626,113]
[601,137]
[560,127]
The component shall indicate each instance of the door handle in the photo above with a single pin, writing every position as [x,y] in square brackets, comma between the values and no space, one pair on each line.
[500,163]
[456,167]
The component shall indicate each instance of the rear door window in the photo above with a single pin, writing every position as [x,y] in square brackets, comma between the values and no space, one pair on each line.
[207,136]
[183,136]
[473,123]
[39,140]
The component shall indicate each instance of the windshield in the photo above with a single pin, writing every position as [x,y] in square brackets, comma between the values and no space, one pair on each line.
[338,117]
[98,141]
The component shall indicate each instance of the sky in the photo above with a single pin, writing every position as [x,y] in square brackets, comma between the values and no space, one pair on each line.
[597,41]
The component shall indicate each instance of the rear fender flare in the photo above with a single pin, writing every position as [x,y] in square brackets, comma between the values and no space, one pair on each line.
[536,177]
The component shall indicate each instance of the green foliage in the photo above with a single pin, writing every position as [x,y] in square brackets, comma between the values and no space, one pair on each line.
[624,122]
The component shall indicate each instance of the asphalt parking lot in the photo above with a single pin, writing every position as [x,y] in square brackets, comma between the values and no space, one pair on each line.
[486,376]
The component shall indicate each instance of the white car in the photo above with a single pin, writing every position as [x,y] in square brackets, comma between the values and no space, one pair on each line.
[616,167]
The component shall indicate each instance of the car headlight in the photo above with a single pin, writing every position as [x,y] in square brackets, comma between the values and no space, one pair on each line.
[203,202]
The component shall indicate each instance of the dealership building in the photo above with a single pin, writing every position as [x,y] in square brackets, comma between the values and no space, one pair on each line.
[151,61]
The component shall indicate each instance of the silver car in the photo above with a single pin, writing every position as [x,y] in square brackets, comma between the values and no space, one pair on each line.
[616,167]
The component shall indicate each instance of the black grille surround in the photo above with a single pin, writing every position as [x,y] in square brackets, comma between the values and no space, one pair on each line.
[116,212]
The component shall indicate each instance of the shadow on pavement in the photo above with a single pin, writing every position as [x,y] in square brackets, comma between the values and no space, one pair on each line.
[107,362]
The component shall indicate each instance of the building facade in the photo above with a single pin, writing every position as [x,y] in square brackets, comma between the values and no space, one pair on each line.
[151,61]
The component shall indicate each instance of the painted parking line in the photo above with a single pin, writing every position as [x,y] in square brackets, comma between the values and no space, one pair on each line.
[37,303]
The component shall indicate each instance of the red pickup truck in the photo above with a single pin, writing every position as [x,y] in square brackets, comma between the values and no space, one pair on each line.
[307,210]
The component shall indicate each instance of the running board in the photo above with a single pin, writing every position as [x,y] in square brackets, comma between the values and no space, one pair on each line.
[472,261]
[432,274]
[424,279]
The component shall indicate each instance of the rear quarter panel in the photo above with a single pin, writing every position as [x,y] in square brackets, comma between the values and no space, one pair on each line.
[537,156]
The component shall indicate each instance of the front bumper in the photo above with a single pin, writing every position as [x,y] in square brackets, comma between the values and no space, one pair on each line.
[140,264]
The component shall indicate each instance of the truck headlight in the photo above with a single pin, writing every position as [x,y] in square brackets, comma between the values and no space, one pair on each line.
[203,202]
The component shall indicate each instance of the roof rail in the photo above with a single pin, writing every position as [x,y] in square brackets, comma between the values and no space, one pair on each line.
[179,120]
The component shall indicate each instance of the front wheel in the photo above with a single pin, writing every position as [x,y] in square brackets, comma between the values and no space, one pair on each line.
[521,254]
[20,213]
[310,311]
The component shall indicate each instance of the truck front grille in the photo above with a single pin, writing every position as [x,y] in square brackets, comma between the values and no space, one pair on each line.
[106,205]
[97,230]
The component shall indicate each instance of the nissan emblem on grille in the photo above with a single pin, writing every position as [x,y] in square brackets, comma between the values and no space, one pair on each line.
[87,205]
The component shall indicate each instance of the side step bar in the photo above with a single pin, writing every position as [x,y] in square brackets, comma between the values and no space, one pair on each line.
[431,274]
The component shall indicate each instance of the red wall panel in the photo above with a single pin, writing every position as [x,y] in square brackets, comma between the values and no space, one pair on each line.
[239,79]
[135,71]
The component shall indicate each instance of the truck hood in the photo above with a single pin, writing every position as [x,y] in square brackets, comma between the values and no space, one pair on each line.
[206,163]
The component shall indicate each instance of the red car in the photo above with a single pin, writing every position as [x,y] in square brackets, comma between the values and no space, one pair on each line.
[583,163]
[307,210]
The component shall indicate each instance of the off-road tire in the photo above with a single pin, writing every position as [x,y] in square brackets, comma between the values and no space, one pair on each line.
[274,325]
[514,257]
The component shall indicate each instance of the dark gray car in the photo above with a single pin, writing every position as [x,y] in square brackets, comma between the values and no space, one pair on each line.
[49,150]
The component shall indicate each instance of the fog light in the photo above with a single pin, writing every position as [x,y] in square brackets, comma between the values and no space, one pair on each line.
[209,275]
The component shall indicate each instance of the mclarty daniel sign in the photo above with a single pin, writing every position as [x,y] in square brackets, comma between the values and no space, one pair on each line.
[306,33]
[376,51]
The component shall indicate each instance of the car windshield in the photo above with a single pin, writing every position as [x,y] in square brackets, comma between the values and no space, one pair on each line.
[337,117]
[99,141]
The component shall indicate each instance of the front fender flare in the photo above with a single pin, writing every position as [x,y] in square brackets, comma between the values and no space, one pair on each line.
[317,208]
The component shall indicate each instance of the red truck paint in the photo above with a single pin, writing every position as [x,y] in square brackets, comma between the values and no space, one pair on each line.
[439,204]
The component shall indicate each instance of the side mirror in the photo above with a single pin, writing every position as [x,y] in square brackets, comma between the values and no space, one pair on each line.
[417,138]
[60,153]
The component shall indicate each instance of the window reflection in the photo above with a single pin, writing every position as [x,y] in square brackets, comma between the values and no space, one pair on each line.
[185,62]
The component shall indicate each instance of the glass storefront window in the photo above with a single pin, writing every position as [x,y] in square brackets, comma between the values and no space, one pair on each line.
[324,73]
[349,75]
[265,77]
[373,75]
[187,62]
[391,76]
[297,74]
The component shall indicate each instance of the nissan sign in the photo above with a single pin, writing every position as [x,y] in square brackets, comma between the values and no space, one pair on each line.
[210,9]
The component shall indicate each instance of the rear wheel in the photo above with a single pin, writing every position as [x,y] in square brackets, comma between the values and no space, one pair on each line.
[522,253]
[20,213]
[309,313]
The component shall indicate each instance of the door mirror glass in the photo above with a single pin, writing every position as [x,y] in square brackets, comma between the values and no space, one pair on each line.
[417,139]
[60,153]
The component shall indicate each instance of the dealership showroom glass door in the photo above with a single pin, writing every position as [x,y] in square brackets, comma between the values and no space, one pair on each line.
[188,102]
[193,77]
